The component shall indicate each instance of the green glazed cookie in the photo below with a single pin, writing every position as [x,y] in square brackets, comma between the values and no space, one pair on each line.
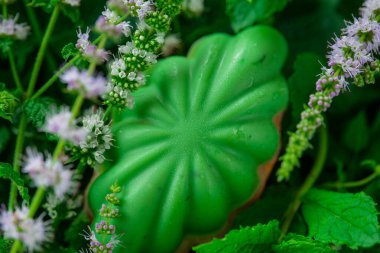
[199,143]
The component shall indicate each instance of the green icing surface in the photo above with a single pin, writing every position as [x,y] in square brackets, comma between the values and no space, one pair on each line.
[191,148]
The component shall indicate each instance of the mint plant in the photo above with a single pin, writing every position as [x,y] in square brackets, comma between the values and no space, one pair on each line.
[87,138]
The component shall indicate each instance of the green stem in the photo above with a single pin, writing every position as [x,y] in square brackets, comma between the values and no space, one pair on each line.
[16,246]
[55,77]
[52,65]
[37,200]
[11,57]
[5,10]
[16,77]
[81,167]
[17,159]
[354,184]
[42,50]
[102,43]
[309,182]
[107,112]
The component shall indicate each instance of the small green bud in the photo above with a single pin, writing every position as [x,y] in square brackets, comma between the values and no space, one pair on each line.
[115,188]
[113,199]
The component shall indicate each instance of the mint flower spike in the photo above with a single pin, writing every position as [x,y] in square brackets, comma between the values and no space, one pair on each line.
[105,226]
[352,59]
[139,54]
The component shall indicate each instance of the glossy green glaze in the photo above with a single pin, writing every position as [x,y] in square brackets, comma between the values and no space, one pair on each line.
[191,148]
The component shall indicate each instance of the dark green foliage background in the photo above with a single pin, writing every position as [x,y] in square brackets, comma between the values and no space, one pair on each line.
[353,123]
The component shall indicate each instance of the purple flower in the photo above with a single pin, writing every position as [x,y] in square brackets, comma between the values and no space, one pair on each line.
[348,54]
[89,86]
[61,124]
[139,7]
[371,8]
[89,50]
[108,23]
[9,28]
[47,173]
[31,232]
[366,30]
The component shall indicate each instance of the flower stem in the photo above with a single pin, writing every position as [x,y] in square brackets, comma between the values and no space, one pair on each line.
[41,52]
[309,182]
[16,246]
[16,160]
[5,10]
[37,200]
[81,167]
[354,184]
[55,77]
[16,77]
[51,64]
[11,57]
[107,112]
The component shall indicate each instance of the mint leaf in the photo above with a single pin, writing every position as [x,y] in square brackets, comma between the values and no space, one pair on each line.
[341,218]
[5,245]
[69,51]
[300,244]
[8,104]
[5,46]
[244,13]
[37,109]
[47,5]
[259,238]
[7,172]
